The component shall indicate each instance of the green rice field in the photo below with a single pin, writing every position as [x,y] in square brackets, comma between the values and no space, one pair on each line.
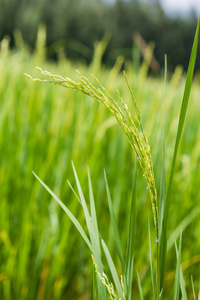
[43,128]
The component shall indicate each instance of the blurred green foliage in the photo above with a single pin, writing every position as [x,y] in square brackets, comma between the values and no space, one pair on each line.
[76,25]
[43,129]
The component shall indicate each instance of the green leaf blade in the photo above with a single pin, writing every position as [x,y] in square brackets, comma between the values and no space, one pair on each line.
[178,271]
[67,211]
[163,240]
[129,260]
[114,224]
[112,269]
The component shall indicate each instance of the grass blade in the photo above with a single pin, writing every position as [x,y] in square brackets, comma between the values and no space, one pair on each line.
[93,245]
[162,185]
[96,250]
[93,237]
[93,210]
[94,284]
[114,224]
[193,291]
[151,264]
[182,226]
[131,238]
[140,287]
[178,271]
[67,211]
[163,242]
[182,282]
[112,269]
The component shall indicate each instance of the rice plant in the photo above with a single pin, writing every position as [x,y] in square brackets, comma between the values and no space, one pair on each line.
[133,129]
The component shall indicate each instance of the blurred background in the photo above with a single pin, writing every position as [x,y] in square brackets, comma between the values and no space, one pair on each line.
[43,128]
[75,26]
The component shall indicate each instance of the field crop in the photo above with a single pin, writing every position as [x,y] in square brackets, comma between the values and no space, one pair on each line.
[44,128]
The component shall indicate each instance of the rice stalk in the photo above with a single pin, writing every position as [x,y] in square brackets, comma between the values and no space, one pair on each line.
[132,128]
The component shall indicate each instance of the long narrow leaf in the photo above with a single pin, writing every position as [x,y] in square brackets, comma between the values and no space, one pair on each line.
[182,282]
[151,264]
[93,210]
[162,185]
[67,211]
[182,226]
[178,269]
[193,291]
[131,239]
[93,237]
[94,283]
[140,287]
[163,241]
[114,224]
[112,270]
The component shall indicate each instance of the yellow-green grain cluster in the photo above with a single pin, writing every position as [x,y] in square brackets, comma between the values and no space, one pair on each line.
[131,127]
[109,286]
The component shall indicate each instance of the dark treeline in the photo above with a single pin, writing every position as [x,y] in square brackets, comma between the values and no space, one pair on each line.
[75,25]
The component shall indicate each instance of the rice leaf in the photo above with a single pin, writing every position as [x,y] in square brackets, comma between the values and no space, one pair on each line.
[162,185]
[193,291]
[178,269]
[93,245]
[129,260]
[75,194]
[182,226]
[67,211]
[93,238]
[96,250]
[190,72]
[94,284]
[93,210]
[182,282]
[114,224]
[112,269]
[151,263]
[140,287]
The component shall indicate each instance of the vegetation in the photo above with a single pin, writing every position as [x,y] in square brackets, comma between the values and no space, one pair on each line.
[43,128]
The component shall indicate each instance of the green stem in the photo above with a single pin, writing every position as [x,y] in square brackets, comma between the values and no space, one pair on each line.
[158,264]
